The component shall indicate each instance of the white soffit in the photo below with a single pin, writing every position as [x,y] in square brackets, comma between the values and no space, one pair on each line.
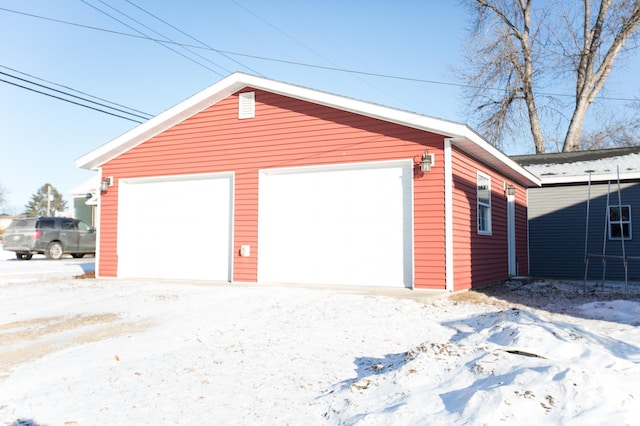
[487,153]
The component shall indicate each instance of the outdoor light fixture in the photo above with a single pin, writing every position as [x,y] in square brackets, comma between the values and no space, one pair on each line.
[426,162]
[105,183]
[511,190]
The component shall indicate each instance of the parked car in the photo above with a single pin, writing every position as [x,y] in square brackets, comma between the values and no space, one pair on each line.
[51,236]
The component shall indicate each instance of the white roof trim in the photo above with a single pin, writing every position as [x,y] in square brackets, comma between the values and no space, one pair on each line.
[461,134]
[475,145]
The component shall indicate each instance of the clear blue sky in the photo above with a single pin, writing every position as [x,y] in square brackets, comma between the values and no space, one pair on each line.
[41,137]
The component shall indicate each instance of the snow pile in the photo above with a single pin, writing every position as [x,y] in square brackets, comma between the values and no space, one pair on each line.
[143,352]
[503,367]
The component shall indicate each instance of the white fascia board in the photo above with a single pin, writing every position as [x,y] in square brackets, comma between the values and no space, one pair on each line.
[158,124]
[458,132]
[236,81]
[474,144]
[381,112]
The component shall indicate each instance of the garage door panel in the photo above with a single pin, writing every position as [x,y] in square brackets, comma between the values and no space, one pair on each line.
[337,225]
[159,236]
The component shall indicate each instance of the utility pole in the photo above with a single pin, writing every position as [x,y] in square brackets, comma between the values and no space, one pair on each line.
[49,200]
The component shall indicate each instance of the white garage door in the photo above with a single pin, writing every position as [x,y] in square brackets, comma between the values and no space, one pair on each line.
[176,227]
[349,224]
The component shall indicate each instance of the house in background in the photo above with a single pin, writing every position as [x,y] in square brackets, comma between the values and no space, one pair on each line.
[254,180]
[578,212]
[85,200]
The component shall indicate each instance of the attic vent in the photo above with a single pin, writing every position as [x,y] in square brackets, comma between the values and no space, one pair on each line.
[247,105]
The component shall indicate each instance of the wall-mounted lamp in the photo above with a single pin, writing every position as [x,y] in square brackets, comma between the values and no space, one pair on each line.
[511,190]
[105,183]
[426,162]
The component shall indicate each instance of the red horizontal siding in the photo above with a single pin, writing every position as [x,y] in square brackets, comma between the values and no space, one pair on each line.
[483,259]
[285,133]
[108,260]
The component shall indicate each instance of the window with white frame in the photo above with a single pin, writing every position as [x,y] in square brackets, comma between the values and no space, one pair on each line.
[483,192]
[619,222]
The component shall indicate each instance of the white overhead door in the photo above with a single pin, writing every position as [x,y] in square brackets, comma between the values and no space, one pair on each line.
[175,227]
[348,224]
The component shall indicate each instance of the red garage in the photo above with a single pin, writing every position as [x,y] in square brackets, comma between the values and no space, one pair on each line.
[254,180]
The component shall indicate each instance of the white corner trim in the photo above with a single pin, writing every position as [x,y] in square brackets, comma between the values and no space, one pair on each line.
[97,219]
[448,216]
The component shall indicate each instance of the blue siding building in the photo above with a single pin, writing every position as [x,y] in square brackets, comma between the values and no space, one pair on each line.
[588,207]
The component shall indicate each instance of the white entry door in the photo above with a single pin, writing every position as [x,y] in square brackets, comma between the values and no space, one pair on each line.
[347,224]
[175,227]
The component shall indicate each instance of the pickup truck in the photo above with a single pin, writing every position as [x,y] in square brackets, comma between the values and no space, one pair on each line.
[51,236]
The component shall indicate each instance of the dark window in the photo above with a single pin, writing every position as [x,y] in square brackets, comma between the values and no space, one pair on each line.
[619,222]
[45,224]
[83,226]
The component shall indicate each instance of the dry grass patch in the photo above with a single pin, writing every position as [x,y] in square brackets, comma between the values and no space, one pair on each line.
[86,275]
[26,341]
[472,296]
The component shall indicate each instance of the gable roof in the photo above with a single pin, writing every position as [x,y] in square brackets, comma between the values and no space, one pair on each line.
[574,167]
[460,134]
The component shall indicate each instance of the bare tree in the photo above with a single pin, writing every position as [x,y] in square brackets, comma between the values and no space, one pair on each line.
[520,50]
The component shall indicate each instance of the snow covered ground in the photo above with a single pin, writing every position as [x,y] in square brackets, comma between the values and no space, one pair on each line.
[98,352]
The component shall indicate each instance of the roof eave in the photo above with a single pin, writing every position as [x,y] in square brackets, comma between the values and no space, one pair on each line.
[229,85]
[461,134]
[172,116]
[477,147]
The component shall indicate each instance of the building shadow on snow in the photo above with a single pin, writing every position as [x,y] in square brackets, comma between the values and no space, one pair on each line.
[367,367]
[88,267]
[571,297]
[24,422]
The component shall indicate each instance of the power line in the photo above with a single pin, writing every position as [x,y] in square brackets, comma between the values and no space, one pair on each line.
[68,100]
[73,96]
[159,41]
[295,40]
[162,35]
[79,91]
[414,79]
[89,27]
[302,64]
[193,38]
